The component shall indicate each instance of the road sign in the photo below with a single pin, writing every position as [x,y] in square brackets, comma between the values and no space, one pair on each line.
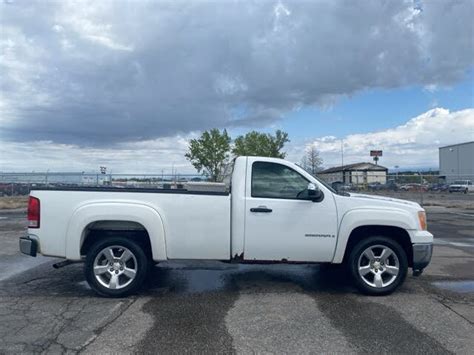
[375,153]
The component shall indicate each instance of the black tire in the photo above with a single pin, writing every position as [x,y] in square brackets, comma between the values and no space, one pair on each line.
[353,264]
[140,262]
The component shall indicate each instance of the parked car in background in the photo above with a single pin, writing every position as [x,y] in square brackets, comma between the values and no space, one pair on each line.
[438,187]
[414,187]
[464,186]
[377,186]
[14,189]
[406,187]
[340,186]
[391,185]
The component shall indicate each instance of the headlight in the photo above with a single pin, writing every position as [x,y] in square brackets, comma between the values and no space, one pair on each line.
[422,219]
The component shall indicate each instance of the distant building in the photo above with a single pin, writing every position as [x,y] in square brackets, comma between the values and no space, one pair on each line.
[357,174]
[456,162]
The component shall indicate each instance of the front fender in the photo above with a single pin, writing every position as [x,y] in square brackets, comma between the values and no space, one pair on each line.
[370,217]
[92,212]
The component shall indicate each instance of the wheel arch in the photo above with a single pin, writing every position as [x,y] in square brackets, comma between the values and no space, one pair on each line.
[97,220]
[100,230]
[392,223]
[397,234]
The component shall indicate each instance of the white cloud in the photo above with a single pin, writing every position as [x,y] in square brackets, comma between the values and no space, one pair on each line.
[411,145]
[95,73]
[152,156]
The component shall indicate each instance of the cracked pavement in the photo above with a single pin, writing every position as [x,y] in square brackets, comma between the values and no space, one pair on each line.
[212,307]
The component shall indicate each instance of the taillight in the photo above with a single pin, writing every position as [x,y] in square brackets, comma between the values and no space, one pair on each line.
[33,212]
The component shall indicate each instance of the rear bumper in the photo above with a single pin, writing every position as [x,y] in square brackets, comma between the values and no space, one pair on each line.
[422,255]
[28,246]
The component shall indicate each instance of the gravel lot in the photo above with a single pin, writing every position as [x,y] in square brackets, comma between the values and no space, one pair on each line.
[213,307]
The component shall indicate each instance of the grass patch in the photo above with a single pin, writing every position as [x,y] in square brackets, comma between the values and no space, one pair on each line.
[12,202]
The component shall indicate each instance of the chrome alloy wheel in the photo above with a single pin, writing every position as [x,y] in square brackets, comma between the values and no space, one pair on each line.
[378,266]
[115,267]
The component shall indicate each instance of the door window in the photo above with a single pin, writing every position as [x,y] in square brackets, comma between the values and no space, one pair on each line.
[272,180]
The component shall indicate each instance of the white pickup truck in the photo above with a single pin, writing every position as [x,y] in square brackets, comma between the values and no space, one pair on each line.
[275,212]
[461,186]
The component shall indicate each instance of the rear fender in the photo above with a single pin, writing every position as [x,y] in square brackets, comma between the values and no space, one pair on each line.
[89,213]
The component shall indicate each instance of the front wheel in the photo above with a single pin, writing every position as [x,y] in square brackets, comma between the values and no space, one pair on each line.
[378,265]
[115,267]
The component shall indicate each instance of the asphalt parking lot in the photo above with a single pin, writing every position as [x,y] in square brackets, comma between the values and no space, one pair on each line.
[214,307]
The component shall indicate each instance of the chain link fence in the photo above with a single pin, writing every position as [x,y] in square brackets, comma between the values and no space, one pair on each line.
[424,188]
[20,184]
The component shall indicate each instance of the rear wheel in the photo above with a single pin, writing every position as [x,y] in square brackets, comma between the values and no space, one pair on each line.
[116,267]
[378,265]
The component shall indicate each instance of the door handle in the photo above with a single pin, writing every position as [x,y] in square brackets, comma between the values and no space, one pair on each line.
[261,209]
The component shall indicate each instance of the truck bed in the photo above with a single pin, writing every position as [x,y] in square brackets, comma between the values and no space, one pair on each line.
[188,219]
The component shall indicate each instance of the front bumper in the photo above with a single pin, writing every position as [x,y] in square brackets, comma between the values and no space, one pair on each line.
[28,246]
[422,253]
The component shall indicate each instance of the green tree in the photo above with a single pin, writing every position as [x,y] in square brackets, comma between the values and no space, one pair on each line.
[210,153]
[261,144]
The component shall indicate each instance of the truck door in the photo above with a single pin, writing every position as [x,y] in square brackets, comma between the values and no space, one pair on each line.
[280,225]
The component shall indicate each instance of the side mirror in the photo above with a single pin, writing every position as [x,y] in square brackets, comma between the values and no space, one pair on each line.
[312,189]
[314,194]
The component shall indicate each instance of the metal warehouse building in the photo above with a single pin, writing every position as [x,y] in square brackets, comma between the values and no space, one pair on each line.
[357,174]
[456,162]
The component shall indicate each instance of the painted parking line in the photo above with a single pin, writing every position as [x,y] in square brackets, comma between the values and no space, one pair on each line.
[455,244]
[462,214]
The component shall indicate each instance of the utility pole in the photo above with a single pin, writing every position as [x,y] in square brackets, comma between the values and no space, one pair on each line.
[342,152]
[342,159]
[421,188]
[172,172]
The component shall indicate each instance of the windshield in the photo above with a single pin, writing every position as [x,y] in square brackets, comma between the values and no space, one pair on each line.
[460,182]
[319,180]
[326,184]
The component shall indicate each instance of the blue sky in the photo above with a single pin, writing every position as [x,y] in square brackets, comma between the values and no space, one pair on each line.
[377,109]
[371,110]
[382,119]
